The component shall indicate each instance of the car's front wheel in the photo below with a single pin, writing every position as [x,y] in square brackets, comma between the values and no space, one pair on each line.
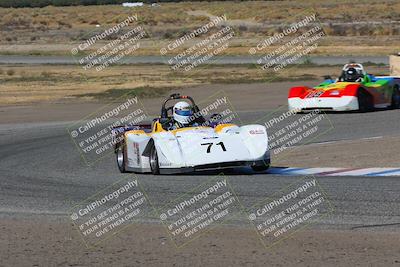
[120,157]
[395,98]
[365,102]
[154,166]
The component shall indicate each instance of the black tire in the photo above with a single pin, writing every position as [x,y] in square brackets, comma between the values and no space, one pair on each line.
[260,167]
[395,98]
[120,157]
[153,160]
[365,102]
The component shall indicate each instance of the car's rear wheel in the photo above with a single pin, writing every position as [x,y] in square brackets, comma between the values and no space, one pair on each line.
[365,101]
[120,157]
[154,166]
[395,97]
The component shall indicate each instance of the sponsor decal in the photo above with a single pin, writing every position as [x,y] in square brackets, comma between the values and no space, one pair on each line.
[314,94]
[136,151]
[257,131]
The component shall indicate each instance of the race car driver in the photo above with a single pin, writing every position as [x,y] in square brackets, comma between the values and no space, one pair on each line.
[352,73]
[182,117]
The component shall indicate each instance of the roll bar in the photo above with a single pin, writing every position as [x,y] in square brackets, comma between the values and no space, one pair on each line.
[175,96]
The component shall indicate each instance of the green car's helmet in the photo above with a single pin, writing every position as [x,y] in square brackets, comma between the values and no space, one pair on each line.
[353,72]
[352,75]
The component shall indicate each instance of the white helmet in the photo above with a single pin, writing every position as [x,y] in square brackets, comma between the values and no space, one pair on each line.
[182,112]
[357,66]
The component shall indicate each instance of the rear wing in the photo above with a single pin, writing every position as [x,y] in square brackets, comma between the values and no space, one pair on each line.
[394,79]
[388,77]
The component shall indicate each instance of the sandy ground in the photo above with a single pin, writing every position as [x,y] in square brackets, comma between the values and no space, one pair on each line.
[42,243]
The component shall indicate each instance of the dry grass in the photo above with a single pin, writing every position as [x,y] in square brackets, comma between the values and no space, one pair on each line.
[376,23]
[176,14]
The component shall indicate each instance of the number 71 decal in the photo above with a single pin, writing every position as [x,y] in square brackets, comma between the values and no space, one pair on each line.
[211,144]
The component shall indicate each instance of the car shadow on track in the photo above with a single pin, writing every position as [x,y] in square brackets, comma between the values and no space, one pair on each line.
[229,171]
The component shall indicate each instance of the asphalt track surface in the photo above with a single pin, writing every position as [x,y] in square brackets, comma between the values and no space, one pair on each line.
[42,173]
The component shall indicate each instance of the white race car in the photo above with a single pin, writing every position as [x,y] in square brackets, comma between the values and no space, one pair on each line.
[201,145]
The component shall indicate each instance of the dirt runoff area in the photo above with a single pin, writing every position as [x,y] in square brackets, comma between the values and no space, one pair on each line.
[32,242]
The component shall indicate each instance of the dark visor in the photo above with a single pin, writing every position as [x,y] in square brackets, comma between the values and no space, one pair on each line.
[184,112]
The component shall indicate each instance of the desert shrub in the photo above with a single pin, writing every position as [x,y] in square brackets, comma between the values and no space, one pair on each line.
[45,74]
[64,24]
[168,35]
[10,72]
[44,22]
